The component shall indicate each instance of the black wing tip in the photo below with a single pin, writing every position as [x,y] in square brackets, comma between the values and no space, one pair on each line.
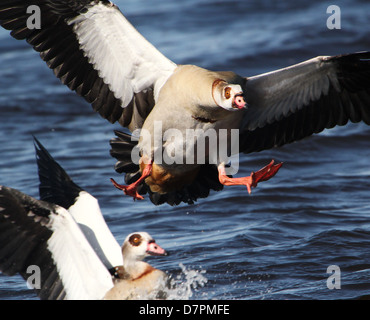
[56,186]
[44,158]
[40,150]
[360,55]
[351,62]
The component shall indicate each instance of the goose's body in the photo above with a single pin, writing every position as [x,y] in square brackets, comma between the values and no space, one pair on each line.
[96,52]
[66,237]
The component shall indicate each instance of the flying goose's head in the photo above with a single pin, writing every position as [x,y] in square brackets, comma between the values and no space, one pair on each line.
[228,96]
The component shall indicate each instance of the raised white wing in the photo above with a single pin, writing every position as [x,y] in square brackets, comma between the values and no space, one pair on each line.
[58,188]
[86,211]
[82,272]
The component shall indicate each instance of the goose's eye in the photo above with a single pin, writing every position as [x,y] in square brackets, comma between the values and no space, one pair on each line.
[135,240]
[227,92]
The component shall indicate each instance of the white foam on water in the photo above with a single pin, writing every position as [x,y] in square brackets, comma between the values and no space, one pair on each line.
[185,284]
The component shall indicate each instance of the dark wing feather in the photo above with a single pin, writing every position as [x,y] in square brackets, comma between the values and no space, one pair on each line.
[55,184]
[24,232]
[120,89]
[292,103]
[37,233]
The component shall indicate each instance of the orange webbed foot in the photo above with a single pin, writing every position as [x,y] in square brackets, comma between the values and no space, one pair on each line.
[263,174]
[131,190]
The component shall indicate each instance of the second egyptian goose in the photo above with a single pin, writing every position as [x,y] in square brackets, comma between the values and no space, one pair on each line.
[141,280]
[67,239]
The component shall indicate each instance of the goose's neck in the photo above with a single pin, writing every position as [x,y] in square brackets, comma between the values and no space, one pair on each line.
[136,268]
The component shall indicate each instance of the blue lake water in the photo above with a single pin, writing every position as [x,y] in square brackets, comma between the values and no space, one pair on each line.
[276,243]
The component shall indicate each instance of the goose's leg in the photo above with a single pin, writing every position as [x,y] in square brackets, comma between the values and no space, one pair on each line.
[263,174]
[131,190]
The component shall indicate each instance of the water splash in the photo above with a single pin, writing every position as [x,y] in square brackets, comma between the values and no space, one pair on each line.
[185,284]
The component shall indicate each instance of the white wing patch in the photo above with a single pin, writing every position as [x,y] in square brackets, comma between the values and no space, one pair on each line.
[125,60]
[83,275]
[86,211]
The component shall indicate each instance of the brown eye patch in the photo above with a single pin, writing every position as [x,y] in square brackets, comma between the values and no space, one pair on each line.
[228,93]
[135,239]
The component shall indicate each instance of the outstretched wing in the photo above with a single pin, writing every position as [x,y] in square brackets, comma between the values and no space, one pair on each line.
[292,103]
[96,52]
[41,239]
[57,187]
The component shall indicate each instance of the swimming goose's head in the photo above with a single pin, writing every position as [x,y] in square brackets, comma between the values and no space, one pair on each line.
[139,245]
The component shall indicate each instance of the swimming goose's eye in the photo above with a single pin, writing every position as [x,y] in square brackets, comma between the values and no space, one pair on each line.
[135,240]
[227,92]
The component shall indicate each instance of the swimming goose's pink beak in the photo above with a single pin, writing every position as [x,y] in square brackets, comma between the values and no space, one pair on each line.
[154,249]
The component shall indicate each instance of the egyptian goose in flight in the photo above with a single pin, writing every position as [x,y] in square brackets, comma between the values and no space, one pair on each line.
[69,242]
[95,51]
